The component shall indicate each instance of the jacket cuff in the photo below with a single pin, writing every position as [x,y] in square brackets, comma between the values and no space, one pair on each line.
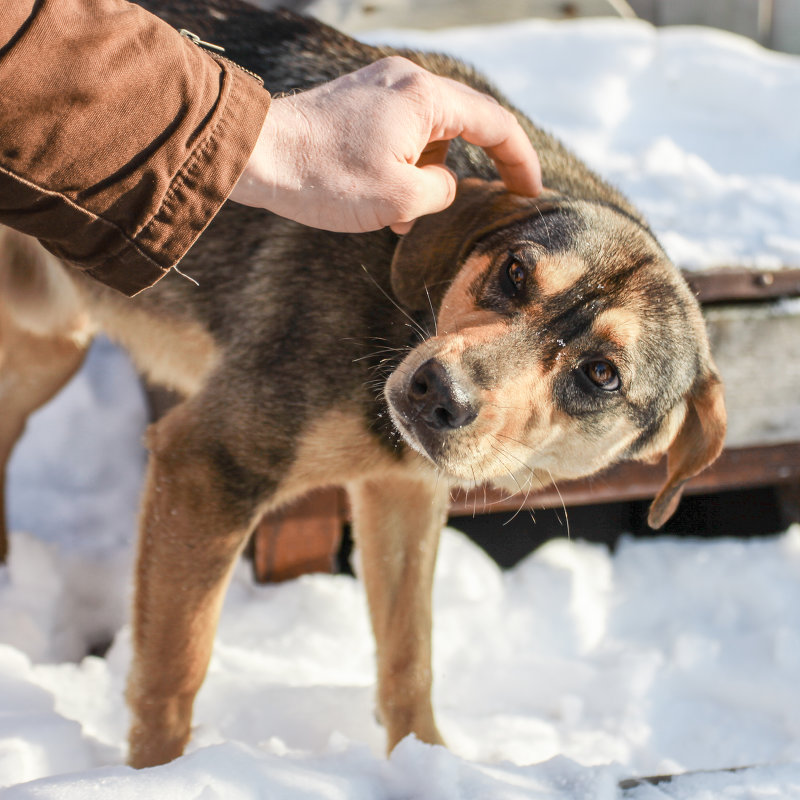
[198,189]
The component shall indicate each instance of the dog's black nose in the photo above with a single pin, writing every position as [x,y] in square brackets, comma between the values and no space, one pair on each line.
[437,400]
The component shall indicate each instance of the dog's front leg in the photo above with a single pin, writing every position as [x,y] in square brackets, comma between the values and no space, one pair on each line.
[191,533]
[397,524]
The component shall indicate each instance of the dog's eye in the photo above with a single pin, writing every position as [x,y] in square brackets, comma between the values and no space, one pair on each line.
[602,374]
[514,276]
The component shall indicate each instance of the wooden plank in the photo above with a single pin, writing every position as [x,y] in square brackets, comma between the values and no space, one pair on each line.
[735,283]
[739,16]
[756,347]
[735,469]
[630,784]
[306,536]
[785,26]
[773,23]
[302,538]
[434,14]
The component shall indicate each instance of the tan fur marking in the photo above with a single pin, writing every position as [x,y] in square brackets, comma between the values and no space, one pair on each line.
[479,327]
[47,299]
[38,293]
[458,303]
[576,456]
[519,412]
[177,354]
[622,326]
[188,540]
[556,274]
[543,437]
[666,434]
[396,525]
[337,449]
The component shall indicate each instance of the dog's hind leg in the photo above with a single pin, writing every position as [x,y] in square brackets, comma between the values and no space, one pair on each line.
[44,336]
[198,508]
[397,522]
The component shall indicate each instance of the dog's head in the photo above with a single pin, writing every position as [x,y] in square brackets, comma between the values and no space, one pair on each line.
[565,341]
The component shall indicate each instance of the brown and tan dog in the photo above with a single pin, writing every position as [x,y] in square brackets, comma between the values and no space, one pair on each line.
[550,339]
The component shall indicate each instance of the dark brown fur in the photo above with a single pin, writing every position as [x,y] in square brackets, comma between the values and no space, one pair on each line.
[299,368]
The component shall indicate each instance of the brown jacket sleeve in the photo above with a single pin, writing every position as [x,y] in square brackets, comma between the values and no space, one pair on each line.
[119,138]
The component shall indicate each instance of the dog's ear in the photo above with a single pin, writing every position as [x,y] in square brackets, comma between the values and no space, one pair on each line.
[698,443]
[427,258]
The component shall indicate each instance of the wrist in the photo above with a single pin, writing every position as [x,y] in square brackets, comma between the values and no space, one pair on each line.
[272,175]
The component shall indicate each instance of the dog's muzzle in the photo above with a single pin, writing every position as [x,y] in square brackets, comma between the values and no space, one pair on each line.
[431,404]
[437,401]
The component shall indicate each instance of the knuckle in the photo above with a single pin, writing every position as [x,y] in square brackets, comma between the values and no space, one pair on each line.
[399,64]
[406,200]
[404,75]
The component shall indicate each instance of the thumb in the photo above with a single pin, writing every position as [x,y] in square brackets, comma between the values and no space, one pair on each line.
[433,189]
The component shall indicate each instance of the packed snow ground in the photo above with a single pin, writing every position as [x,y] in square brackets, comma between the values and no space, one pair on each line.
[554,679]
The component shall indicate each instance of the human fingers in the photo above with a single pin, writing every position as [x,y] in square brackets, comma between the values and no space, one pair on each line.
[401,228]
[431,188]
[434,153]
[481,120]
[516,160]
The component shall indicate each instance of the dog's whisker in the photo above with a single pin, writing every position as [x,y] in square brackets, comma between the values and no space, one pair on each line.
[563,504]
[534,450]
[502,452]
[510,472]
[474,495]
[433,313]
[419,331]
[531,473]
[380,352]
[436,487]
[530,470]
[510,408]
[528,482]
[546,228]
[364,339]
[417,327]
[483,483]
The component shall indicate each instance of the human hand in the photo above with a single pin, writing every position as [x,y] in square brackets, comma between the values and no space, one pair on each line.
[367,150]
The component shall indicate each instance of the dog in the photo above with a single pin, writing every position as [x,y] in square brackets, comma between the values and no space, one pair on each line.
[507,340]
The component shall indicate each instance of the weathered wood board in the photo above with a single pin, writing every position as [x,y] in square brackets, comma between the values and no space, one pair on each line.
[353,17]
[757,349]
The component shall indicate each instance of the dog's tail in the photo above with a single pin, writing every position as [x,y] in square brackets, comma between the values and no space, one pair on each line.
[37,294]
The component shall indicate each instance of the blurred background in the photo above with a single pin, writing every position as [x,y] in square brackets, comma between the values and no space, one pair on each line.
[772,23]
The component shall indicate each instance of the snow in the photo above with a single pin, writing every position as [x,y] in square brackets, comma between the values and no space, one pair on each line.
[698,127]
[555,679]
